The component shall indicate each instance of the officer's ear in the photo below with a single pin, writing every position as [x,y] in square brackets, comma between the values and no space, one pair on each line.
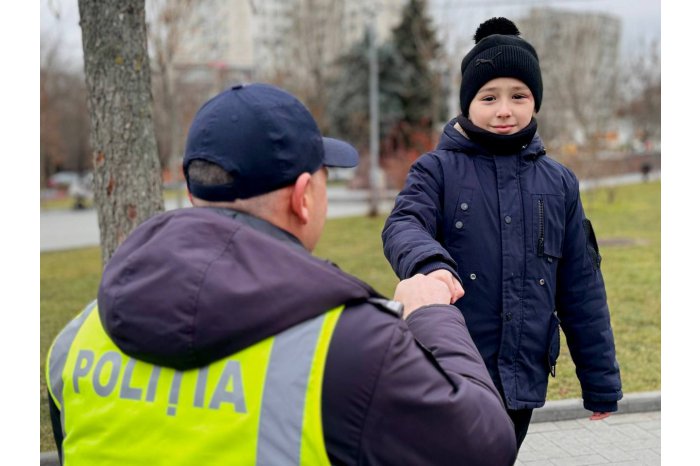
[300,197]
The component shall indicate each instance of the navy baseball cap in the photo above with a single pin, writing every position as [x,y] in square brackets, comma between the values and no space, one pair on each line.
[264,137]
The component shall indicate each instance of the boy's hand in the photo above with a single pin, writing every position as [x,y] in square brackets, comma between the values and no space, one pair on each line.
[456,290]
[420,290]
[598,416]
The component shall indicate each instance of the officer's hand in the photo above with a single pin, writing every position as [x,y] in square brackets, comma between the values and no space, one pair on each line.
[445,276]
[420,290]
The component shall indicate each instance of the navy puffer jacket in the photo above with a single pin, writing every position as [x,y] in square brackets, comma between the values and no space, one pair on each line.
[512,228]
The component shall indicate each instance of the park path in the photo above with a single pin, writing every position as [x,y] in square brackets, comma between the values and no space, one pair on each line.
[69,229]
[621,439]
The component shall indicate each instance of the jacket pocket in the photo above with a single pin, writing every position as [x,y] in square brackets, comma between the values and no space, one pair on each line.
[554,344]
[592,244]
[548,224]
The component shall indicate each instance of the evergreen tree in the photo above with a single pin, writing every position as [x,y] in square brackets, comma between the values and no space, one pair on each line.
[348,102]
[415,40]
[411,94]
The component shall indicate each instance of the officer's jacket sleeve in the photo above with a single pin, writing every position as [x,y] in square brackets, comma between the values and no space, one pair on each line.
[582,307]
[425,396]
[413,229]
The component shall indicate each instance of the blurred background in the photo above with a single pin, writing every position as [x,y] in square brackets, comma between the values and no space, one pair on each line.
[600,61]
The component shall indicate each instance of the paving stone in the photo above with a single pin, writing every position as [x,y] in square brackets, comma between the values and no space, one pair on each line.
[535,463]
[585,437]
[539,440]
[600,427]
[634,431]
[569,425]
[649,425]
[648,444]
[542,454]
[613,453]
[627,418]
[643,454]
[561,435]
[581,460]
[574,448]
[633,439]
[543,427]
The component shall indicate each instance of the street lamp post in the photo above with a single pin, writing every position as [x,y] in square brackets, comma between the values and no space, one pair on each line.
[374,173]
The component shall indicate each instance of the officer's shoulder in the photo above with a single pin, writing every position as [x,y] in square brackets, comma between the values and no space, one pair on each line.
[381,306]
[391,307]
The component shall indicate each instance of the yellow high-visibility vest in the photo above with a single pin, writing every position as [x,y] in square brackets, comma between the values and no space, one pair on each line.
[260,406]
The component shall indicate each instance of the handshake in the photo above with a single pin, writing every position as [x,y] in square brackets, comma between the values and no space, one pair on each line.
[438,287]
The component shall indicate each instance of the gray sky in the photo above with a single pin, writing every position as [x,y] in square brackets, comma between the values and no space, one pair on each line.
[641,19]
[457,20]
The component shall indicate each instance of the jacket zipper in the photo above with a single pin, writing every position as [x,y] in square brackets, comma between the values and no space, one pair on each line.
[540,241]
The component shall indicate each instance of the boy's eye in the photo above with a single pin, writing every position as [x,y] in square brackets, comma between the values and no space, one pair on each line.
[520,96]
[488,98]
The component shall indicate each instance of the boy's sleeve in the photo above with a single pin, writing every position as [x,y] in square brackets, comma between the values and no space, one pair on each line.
[411,231]
[583,310]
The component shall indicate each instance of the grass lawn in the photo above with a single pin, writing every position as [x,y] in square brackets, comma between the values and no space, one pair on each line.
[628,228]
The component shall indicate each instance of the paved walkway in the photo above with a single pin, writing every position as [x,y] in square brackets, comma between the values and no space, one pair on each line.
[68,229]
[621,439]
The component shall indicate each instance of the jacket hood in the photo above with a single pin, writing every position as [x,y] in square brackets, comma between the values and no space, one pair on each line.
[191,286]
[453,140]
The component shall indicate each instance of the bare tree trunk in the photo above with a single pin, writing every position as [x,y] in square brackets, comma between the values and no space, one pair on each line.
[128,187]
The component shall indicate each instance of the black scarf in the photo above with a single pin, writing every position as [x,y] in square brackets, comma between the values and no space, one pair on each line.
[499,144]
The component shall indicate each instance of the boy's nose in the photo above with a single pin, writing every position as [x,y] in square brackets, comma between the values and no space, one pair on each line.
[503,111]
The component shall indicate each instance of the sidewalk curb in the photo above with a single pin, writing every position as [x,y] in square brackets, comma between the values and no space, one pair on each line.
[565,410]
[49,458]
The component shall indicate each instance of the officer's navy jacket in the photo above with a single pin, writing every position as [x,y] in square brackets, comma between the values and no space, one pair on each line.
[512,228]
[395,391]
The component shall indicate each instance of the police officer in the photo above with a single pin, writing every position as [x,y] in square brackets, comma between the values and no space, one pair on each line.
[217,338]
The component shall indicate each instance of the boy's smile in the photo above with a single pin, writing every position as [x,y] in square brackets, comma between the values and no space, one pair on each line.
[502,106]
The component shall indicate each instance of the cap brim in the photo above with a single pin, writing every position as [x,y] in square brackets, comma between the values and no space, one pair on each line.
[337,153]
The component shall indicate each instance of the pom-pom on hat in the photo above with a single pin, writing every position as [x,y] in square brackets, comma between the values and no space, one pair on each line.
[499,52]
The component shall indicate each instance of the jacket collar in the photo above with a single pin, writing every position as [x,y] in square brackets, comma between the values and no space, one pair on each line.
[455,139]
[260,225]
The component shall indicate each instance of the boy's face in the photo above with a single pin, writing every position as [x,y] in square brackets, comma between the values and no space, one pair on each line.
[502,106]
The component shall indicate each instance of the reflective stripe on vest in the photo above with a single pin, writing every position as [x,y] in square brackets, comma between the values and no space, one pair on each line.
[259,406]
[57,358]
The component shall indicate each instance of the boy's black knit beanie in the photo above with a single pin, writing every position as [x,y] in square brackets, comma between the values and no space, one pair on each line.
[499,53]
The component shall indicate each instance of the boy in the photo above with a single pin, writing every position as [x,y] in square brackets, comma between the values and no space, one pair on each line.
[502,225]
